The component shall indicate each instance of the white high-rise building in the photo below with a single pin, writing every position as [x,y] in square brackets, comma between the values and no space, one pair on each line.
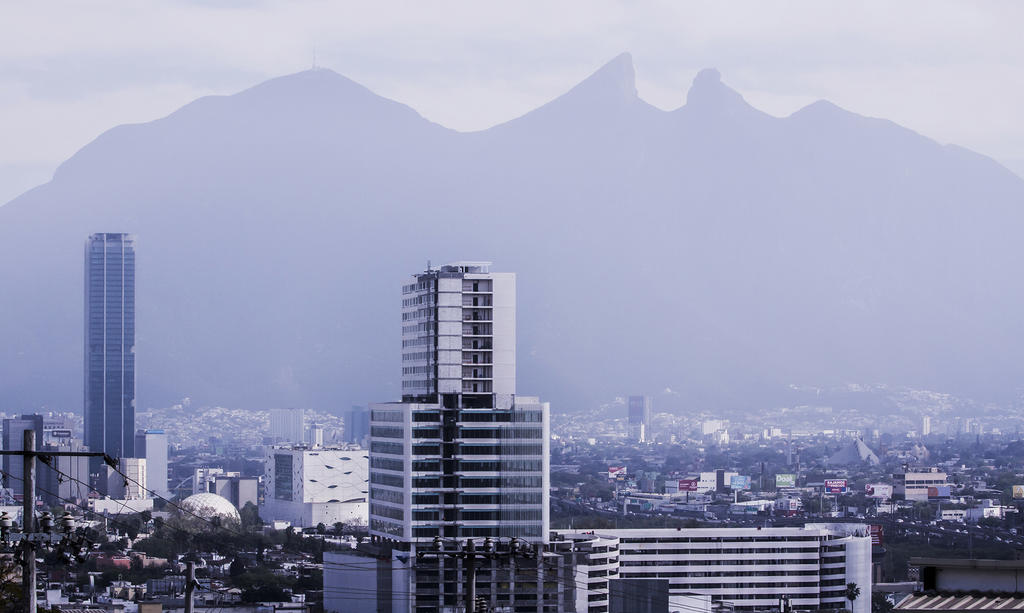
[288,425]
[461,456]
[152,445]
[459,336]
[926,425]
[132,488]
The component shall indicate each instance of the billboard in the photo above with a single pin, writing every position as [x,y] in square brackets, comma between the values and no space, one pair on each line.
[616,472]
[785,480]
[876,534]
[835,486]
[739,482]
[1018,491]
[878,490]
[939,491]
[688,485]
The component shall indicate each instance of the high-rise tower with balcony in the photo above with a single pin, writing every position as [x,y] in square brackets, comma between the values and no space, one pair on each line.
[462,456]
[109,404]
[459,336]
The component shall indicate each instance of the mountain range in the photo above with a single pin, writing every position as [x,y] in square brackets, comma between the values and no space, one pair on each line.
[712,254]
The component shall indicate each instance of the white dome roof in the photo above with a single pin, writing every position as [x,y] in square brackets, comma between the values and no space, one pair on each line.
[207,505]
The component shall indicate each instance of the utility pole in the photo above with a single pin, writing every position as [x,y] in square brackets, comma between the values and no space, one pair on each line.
[469,553]
[29,455]
[190,586]
[28,569]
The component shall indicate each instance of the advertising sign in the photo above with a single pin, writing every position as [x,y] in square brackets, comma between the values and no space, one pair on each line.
[1018,491]
[785,480]
[835,486]
[615,472]
[939,491]
[876,534]
[739,482]
[688,485]
[878,490]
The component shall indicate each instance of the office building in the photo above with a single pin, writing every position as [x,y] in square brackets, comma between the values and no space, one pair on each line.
[357,425]
[372,577]
[462,456]
[315,436]
[639,418]
[238,490]
[920,485]
[288,426]
[133,487]
[306,487]
[152,445]
[72,485]
[926,425]
[14,440]
[202,479]
[109,404]
[743,569]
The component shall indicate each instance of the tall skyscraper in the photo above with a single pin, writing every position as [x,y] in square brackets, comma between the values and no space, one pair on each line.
[288,425]
[109,405]
[357,425]
[640,418]
[461,456]
[926,425]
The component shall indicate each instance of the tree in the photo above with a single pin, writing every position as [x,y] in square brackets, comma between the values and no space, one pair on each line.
[852,593]
[250,516]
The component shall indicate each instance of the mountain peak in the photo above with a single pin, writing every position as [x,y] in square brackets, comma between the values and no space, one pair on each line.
[709,93]
[617,79]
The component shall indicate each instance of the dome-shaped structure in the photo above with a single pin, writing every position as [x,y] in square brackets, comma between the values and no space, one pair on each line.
[208,506]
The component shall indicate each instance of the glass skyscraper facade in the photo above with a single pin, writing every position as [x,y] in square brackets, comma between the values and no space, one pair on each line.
[109,405]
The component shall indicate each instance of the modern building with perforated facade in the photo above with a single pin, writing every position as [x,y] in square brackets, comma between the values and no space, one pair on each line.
[306,487]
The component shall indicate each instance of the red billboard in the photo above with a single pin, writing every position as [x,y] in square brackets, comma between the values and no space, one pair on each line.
[835,486]
[876,534]
[688,485]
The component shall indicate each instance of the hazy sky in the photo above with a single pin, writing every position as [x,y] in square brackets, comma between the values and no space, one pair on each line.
[953,71]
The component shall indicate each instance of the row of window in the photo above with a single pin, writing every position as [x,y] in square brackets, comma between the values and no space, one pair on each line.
[387,463]
[502,498]
[474,515]
[478,482]
[714,551]
[386,479]
[380,510]
[383,495]
[706,562]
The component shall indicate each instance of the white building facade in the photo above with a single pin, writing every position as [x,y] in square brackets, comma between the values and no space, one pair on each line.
[152,445]
[745,568]
[306,487]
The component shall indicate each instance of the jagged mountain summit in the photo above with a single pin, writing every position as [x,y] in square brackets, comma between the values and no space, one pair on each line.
[713,249]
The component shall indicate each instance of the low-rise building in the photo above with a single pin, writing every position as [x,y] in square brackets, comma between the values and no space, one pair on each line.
[306,487]
[920,485]
[747,568]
